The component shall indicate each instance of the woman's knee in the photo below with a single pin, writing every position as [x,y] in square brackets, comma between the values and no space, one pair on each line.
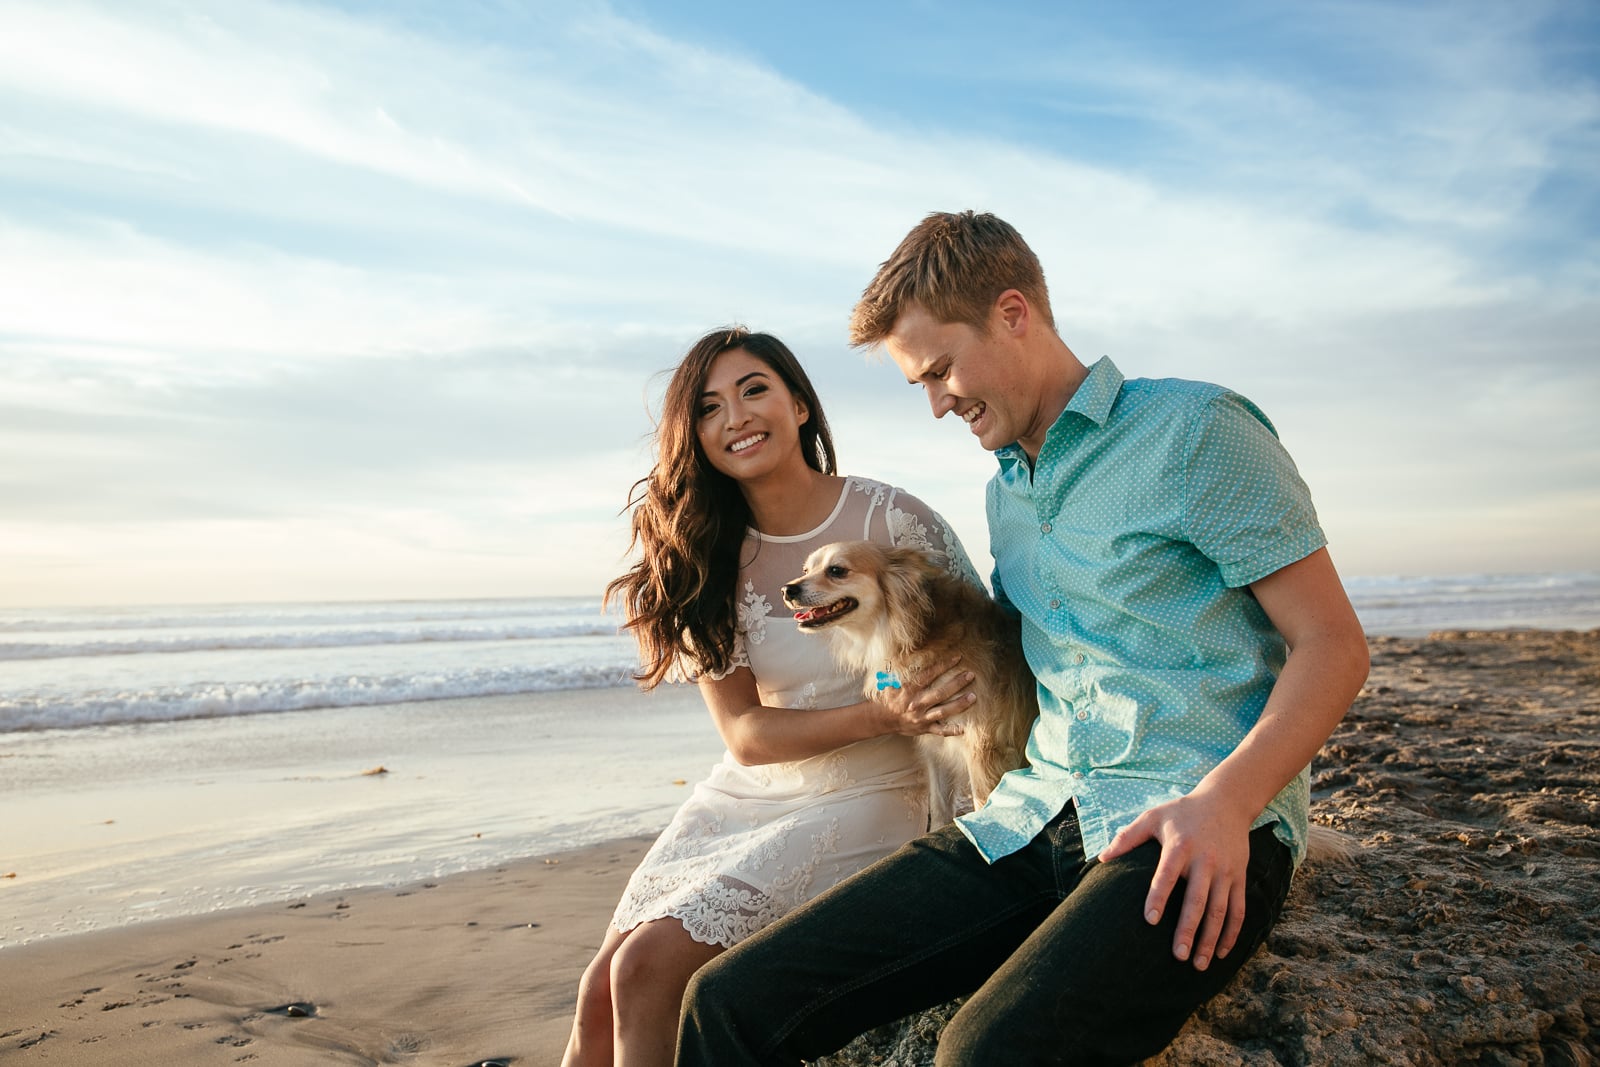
[594,986]
[632,965]
[653,961]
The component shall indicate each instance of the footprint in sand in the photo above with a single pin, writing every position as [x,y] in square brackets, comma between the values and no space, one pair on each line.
[407,1044]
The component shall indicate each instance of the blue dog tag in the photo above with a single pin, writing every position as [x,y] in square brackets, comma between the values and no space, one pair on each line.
[888,680]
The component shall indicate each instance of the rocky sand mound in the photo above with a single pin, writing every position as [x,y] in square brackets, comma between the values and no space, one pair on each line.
[1466,926]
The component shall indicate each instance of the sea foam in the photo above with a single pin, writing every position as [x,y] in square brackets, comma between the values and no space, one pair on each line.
[213,700]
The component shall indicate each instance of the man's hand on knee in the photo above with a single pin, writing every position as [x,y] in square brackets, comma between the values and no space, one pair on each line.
[1206,844]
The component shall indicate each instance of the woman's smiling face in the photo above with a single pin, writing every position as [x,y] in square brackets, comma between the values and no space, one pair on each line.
[748,421]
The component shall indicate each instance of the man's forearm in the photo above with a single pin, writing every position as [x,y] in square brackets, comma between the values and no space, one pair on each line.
[1314,691]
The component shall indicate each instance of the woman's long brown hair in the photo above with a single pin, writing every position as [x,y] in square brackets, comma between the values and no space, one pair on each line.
[689,519]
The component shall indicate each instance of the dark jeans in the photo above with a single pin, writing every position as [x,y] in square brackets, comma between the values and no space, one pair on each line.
[1059,961]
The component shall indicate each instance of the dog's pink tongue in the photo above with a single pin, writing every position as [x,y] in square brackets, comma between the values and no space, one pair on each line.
[804,616]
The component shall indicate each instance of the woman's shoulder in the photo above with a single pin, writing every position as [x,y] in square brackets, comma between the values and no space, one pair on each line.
[877,492]
[880,493]
[902,519]
[890,507]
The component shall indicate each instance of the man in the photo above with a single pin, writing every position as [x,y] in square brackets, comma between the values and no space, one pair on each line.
[1194,649]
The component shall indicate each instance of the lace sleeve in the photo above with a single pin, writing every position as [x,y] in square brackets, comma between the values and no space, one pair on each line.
[913,523]
[741,658]
[686,668]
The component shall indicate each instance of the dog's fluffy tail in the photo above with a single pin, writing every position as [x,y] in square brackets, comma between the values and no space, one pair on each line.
[1325,845]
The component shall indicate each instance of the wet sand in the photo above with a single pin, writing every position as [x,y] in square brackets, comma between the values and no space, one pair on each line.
[131,823]
[472,967]
[1466,928]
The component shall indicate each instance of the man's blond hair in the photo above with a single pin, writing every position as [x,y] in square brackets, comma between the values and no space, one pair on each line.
[955,265]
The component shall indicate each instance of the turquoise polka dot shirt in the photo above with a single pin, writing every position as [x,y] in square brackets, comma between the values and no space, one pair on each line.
[1127,548]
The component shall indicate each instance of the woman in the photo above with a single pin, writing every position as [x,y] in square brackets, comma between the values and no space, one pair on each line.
[816,783]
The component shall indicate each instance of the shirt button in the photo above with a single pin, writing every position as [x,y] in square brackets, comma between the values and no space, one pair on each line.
[1078,775]
[1083,716]
[1055,604]
[1079,657]
[1045,528]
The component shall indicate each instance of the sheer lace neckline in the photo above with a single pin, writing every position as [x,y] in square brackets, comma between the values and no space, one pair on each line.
[780,539]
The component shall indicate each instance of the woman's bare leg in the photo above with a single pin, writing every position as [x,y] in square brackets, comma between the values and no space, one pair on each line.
[649,972]
[593,1025]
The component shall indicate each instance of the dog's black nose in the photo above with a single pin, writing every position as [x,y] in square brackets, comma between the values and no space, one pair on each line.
[791,590]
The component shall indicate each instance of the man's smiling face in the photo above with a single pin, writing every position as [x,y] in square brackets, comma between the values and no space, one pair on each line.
[975,374]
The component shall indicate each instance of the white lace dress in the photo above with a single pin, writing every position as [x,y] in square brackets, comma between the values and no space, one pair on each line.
[752,843]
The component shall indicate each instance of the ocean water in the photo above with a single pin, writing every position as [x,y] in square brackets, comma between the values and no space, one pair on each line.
[159,762]
[165,761]
[1404,606]
[84,668]
[75,668]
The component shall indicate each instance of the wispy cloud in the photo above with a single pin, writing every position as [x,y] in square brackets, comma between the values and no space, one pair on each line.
[407,269]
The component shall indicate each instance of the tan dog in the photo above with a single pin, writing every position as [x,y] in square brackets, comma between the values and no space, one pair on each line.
[897,613]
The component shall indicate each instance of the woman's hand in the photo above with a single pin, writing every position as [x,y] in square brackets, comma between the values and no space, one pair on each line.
[756,734]
[924,705]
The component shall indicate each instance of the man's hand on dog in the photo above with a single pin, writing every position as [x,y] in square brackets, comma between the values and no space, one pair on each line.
[1205,842]
[924,705]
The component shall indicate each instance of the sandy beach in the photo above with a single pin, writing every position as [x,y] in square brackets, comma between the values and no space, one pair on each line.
[1465,928]
[477,966]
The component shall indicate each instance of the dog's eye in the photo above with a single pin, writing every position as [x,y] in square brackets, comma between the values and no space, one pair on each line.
[836,571]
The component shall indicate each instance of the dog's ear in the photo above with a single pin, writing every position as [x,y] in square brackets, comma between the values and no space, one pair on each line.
[905,588]
[926,562]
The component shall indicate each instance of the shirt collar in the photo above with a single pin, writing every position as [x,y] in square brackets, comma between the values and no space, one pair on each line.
[1094,398]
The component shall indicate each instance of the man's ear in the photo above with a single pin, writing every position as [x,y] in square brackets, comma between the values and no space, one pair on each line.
[1012,313]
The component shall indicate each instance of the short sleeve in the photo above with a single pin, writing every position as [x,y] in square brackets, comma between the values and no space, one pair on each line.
[741,658]
[913,524]
[1245,504]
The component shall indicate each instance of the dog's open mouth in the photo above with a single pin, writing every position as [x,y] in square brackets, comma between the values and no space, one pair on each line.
[814,617]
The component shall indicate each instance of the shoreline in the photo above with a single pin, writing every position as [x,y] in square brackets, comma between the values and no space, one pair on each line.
[1468,921]
[149,821]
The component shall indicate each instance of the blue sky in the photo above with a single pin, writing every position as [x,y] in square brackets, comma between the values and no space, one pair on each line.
[323,301]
